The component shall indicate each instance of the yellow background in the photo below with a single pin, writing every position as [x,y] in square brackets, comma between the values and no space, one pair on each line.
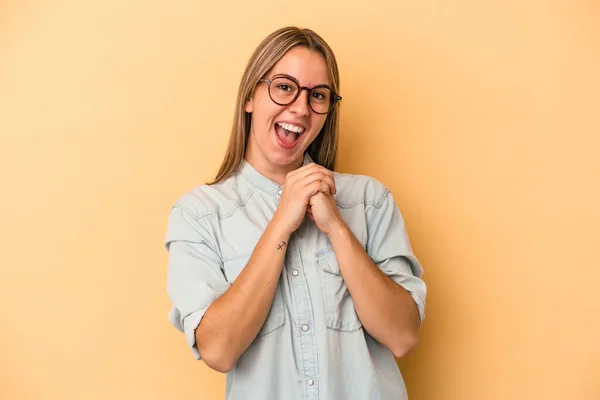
[481,117]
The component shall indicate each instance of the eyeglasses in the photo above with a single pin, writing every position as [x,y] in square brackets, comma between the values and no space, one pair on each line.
[285,89]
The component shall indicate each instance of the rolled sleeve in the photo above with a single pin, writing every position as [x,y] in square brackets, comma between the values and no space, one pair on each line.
[195,278]
[389,248]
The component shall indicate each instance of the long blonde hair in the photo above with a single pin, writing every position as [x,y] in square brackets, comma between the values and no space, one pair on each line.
[323,150]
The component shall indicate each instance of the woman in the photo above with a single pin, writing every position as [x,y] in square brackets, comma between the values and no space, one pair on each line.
[296,281]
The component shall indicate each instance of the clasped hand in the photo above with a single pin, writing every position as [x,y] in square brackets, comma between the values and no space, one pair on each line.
[309,189]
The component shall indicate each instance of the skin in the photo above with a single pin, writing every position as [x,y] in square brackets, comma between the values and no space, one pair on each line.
[263,152]
[231,323]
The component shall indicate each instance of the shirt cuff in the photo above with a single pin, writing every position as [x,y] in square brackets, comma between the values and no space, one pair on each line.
[190,323]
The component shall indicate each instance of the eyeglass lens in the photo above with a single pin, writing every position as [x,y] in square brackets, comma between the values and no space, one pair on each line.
[284,91]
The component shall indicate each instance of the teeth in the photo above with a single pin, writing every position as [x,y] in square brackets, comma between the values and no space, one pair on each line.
[291,128]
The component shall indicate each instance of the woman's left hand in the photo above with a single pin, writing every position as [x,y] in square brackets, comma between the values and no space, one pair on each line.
[323,211]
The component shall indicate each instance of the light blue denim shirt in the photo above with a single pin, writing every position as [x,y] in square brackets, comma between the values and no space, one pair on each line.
[312,344]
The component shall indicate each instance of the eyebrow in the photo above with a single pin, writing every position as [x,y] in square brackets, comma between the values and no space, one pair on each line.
[296,79]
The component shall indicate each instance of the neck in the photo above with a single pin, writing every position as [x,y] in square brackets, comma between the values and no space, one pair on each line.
[276,173]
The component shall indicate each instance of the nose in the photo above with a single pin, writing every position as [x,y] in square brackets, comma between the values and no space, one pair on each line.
[300,106]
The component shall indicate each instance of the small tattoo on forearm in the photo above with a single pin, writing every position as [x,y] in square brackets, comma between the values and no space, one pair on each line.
[281,246]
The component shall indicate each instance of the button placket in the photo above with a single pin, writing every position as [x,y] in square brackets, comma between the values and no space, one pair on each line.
[304,316]
[278,194]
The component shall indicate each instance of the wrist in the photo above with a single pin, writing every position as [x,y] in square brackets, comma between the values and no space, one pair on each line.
[337,229]
[279,229]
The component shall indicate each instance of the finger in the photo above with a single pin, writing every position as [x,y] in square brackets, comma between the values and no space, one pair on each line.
[311,173]
[316,196]
[329,178]
[308,169]
[320,176]
[301,172]
[325,188]
[314,188]
[329,181]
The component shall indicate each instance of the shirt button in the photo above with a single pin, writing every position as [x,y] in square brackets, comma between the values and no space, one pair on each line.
[305,328]
[295,272]
[310,382]
[280,191]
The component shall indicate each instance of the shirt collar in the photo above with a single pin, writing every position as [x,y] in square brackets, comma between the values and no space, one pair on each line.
[261,181]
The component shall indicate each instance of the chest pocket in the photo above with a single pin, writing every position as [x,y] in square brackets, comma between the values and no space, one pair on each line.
[339,307]
[276,317]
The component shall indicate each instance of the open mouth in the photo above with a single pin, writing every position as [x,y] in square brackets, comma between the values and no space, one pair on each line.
[288,134]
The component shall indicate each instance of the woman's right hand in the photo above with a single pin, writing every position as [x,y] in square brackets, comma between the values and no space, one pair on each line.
[299,186]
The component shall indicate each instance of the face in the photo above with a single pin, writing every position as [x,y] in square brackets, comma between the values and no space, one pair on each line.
[279,135]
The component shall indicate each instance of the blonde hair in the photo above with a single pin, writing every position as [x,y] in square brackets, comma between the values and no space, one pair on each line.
[323,150]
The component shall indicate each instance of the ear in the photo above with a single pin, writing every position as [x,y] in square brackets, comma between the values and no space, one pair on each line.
[248,106]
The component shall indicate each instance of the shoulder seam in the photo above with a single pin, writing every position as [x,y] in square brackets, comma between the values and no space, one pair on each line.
[237,205]
[354,204]
[378,203]
[382,198]
[205,214]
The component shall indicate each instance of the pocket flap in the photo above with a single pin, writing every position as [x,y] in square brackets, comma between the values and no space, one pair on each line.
[328,262]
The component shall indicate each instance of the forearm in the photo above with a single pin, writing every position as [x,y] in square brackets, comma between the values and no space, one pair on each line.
[385,309]
[232,321]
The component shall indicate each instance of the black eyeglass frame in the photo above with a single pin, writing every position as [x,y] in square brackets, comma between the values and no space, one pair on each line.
[334,96]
